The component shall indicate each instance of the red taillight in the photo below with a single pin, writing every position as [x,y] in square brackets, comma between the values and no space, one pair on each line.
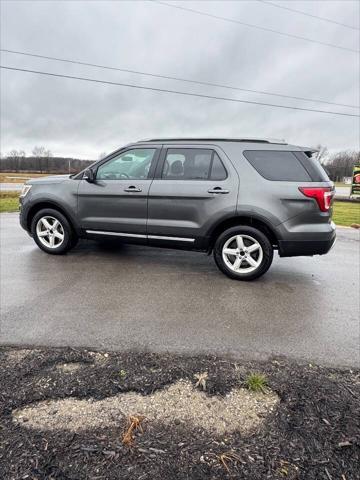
[322,195]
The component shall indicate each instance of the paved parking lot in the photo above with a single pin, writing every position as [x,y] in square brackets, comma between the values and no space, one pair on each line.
[138,298]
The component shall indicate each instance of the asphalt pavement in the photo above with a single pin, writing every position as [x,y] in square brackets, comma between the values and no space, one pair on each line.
[140,298]
[10,187]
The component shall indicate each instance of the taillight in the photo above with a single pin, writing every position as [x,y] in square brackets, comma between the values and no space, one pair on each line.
[322,195]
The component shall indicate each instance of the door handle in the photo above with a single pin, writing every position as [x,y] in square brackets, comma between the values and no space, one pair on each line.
[218,190]
[132,189]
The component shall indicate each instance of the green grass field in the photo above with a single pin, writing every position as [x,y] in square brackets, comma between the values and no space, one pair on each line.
[9,201]
[345,213]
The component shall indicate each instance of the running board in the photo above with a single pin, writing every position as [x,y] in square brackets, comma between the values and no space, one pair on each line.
[137,235]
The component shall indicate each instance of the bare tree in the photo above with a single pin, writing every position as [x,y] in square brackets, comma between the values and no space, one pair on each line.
[323,153]
[42,155]
[16,156]
[340,164]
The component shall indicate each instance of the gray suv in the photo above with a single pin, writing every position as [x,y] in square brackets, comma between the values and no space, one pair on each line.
[238,198]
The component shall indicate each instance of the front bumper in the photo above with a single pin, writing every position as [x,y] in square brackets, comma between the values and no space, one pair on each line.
[23,216]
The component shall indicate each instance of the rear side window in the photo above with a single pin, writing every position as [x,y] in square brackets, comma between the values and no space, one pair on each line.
[279,166]
[193,164]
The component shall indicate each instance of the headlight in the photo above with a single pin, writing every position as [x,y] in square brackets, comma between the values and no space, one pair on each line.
[25,190]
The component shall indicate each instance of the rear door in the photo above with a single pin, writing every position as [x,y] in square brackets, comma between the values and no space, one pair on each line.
[116,203]
[194,187]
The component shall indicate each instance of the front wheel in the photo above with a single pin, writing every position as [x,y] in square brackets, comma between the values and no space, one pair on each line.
[52,232]
[243,253]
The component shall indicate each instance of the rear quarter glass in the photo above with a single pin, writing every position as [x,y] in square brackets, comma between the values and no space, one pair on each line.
[286,166]
[313,166]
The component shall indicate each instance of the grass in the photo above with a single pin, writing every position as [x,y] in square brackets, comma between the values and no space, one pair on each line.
[256,382]
[346,213]
[134,423]
[6,177]
[9,201]
[201,380]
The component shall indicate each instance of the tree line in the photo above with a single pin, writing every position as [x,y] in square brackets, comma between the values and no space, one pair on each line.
[41,161]
[338,165]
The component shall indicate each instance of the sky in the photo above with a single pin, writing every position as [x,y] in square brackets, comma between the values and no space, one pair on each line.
[82,119]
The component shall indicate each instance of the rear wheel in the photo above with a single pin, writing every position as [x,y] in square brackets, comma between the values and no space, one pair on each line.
[243,253]
[52,232]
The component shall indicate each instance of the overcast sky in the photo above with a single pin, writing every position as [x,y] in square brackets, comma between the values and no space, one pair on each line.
[81,119]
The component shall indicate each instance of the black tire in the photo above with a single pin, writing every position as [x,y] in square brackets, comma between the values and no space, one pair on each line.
[254,233]
[69,236]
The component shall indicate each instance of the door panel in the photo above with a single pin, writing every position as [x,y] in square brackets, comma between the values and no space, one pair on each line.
[106,205]
[188,208]
[117,200]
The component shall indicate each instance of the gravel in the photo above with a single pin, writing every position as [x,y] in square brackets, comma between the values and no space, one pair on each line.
[307,427]
[238,410]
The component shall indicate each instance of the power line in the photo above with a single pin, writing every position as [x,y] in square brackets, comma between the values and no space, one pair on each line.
[307,14]
[168,77]
[265,29]
[178,92]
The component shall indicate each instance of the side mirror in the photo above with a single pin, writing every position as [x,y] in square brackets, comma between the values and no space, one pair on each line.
[89,175]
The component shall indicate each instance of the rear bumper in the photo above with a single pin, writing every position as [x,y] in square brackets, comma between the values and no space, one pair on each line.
[293,248]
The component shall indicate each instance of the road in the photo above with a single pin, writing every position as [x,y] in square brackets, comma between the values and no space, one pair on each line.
[343,191]
[141,298]
[11,187]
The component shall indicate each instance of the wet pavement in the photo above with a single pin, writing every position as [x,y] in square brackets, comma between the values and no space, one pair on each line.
[11,187]
[343,191]
[141,298]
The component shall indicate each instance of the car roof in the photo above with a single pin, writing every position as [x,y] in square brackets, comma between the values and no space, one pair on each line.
[213,139]
[245,142]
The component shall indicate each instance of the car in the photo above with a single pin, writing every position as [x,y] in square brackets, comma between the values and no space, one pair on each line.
[241,199]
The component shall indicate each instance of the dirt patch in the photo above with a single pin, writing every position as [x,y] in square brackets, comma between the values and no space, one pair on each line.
[69,367]
[179,403]
[312,433]
[16,356]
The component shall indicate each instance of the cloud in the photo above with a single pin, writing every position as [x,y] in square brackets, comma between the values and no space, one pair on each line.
[83,119]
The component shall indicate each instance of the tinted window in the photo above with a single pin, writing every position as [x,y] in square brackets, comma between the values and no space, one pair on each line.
[193,164]
[132,164]
[218,171]
[283,166]
[313,166]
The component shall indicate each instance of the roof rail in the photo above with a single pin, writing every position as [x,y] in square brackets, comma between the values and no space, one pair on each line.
[215,139]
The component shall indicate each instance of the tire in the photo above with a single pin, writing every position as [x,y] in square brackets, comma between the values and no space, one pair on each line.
[251,257]
[50,227]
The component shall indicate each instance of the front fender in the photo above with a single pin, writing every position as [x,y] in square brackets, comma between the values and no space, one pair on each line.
[65,203]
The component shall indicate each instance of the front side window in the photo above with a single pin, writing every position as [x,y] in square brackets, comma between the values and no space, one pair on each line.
[193,164]
[132,165]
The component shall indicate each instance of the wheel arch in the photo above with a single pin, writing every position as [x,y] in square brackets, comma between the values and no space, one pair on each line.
[243,220]
[34,209]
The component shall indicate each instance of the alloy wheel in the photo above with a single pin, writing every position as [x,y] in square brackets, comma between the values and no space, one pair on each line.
[50,232]
[242,254]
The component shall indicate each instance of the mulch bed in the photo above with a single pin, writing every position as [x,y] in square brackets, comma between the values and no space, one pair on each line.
[313,434]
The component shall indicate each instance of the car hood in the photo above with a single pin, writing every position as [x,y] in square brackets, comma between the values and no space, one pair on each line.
[49,179]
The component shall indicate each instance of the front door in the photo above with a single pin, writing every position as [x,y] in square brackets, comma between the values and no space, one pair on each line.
[193,188]
[116,203]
